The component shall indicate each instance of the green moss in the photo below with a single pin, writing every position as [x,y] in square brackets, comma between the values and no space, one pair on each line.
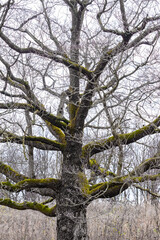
[11,173]
[51,212]
[41,208]
[72,110]
[126,138]
[96,187]
[32,183]
[86,149]
[83,182]
[108,189]
[78,67]
[46,141]
[57,131]
[46,182]
[93,162]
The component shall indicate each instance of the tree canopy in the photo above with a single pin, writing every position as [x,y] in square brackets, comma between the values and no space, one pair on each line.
[79,80]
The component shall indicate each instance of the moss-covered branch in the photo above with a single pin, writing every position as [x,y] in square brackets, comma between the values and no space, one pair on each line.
[11,173]
[148,164]
[125,139]
[108,189]
[99,171]
[56,121]
[118,185]
[50,212]
[34,105]
[145,178]
[27,184]
[16,177]
[33,141]
[57,132]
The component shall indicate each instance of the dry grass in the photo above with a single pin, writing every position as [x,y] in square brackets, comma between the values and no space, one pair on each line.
[25,225]
[106,221]
[123,222]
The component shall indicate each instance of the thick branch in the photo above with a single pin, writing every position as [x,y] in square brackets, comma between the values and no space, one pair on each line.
[50,212]
[11,173]
[30,98]
[85,105]
[28,184]
[56,121]
[86,101]
[33,141]
[121,47]
[124,18]
[148,164]
[118,185]
[108,189]
[17,177]
[142,35]
[125,139]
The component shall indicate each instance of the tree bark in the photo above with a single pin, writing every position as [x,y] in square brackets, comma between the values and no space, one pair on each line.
[31,172]
[71,201]
[71,223]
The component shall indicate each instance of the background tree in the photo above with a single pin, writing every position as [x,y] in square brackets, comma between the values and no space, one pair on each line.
[85,73]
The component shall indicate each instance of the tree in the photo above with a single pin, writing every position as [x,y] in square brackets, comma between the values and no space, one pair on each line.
[86,74]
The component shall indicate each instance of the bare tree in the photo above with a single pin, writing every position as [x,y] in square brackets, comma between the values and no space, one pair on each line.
[88,74]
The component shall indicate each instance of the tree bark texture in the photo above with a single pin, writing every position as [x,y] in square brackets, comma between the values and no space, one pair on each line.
[71,201]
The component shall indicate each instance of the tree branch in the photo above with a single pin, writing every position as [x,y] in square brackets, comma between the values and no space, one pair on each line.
[33,141]
[120,183]
[148,164]
[30,98]
[117,185]
[146,190]
[121,47]
[142,35]
[124,18]
[99,171]
[11,173]
[28,184]
[17,177]
[56,121]
[50,212]
[125,139]
[50,55]
[58,45]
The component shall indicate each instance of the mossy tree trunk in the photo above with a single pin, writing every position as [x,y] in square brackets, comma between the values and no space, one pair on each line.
[71,200]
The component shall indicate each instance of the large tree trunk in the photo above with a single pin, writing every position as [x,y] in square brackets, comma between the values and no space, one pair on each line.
[71,201]
[71,222]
